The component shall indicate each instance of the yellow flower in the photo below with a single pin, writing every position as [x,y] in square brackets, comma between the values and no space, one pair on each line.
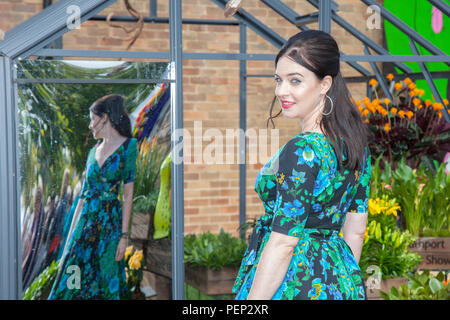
[387,127]
[387,101]
[390,76]
[138,255]
[128,252]
[373,82]
[281,179]
[134,263]
[401,113]
[394,111]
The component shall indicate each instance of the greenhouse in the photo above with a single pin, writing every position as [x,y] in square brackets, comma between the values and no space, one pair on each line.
[196,81]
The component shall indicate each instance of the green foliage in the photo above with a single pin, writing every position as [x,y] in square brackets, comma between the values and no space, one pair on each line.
[388,248]
[213,251]
[424,196]
[421,286]
[145,204]
[42,283]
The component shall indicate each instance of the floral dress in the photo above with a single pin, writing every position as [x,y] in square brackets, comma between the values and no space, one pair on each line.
[305,196]
[89,269]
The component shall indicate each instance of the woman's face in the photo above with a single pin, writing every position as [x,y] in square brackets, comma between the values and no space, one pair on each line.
[298,90]
[97,125]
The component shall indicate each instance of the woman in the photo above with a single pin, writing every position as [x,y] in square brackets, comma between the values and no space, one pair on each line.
[314,187]
[92,265]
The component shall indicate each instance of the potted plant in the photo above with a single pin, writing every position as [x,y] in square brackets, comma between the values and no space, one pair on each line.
[134,273]
[406,127]
[212,261]
[145,193]
[385,258]
[421,286]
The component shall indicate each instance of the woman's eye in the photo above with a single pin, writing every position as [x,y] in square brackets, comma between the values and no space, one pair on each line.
[295,81]
[277,80]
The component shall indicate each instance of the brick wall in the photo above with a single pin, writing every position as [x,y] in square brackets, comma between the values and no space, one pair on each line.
[211,88]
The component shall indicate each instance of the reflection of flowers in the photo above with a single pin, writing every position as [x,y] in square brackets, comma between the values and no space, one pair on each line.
[134,273]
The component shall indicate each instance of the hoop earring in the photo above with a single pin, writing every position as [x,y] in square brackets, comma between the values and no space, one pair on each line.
[332,105]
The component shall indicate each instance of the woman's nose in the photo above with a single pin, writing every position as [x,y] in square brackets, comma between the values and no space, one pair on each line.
[281,89]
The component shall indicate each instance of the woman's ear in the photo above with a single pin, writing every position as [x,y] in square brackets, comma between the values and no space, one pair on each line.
[325,84]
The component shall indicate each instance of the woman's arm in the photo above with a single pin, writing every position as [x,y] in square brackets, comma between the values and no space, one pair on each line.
[353,230]
[273,265]
[128,190]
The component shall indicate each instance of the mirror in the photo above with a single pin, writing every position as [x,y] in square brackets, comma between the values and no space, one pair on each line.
[54,97]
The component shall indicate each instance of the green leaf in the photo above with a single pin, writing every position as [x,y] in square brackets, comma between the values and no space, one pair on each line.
[435,285]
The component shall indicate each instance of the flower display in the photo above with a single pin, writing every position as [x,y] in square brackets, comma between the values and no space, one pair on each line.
[406,126]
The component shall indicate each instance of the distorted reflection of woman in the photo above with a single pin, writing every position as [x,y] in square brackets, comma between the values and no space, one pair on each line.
[92,265]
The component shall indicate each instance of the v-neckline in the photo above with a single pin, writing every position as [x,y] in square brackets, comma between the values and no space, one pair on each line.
[106,159]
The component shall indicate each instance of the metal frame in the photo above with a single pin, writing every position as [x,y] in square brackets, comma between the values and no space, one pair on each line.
[32,37]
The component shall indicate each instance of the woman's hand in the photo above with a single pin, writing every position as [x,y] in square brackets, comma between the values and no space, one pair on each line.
[121,247]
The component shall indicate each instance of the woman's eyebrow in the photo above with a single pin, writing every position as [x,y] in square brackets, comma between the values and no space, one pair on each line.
[290,74]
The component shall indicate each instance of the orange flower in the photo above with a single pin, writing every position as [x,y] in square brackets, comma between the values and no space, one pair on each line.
[394,111]
[365,112]
[376,102]
[427,103]
[358,103]
[412,86]
[410,114]
[446,102]
[421,92]
[373,82]
[440,114]
[411,94]
[416,101]
[387,101]
[401,113]
[437,106]
[398,86]
[416,92]
[387,127]
[407,81]
[390,76]
[419,106]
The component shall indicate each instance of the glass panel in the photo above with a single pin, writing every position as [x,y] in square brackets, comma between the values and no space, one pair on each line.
[55,141]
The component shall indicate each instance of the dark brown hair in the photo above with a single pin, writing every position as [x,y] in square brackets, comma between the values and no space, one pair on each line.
[318,52]
[113,106]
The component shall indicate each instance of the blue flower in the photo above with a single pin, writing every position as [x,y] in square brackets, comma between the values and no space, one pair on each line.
[317,207]
[321,183]
[297,177]
[318,290]
[293,209]
[305,156]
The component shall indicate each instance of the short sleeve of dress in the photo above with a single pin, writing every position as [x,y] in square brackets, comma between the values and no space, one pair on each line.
[298,167]
[130,161]
[360,203]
